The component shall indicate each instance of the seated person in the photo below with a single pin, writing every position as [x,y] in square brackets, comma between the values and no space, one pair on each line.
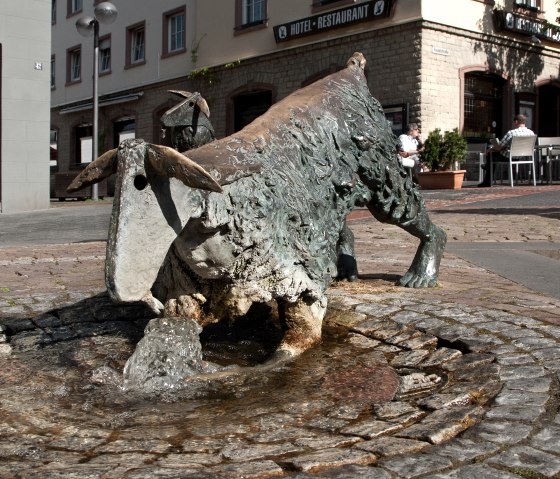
[410,147]
[502,146]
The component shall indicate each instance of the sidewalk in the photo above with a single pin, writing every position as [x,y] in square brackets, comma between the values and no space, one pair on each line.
[493,343]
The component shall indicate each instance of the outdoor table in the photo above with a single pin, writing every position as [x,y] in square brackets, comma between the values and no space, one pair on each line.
[544,151]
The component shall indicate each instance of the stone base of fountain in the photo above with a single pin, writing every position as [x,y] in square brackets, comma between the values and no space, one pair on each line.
[372,385]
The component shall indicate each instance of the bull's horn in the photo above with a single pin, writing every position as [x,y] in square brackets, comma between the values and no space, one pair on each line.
[200,101]
[96,171]
[182,93]
[169,162]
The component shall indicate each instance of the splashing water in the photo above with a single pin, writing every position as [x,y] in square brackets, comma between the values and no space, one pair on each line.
[169,352]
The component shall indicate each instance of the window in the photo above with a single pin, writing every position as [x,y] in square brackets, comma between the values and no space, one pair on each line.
[250,13]
[53,74]
[318,5]
[74,64]
[53,12]
[137,52]
[105,54]
[174,32]
[530,4]
[74,7]
[136,43]
[253,11]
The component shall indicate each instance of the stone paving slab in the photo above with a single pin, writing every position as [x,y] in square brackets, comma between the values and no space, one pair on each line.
[498,416]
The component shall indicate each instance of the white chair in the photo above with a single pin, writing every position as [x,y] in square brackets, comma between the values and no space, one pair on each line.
[549,152]
[521,152]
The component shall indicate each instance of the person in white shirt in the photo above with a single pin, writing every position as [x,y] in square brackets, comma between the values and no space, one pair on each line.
[410,147]
[503,145]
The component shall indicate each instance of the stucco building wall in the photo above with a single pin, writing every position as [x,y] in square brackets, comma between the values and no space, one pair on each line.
[25,106]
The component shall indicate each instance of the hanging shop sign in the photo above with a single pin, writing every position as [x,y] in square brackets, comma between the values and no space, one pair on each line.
[514,22]
[361,12]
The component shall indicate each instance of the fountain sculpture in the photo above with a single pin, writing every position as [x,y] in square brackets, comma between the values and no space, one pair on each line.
[259,216]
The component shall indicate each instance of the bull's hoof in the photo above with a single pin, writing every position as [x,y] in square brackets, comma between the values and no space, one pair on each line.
[423,272]
[416,281]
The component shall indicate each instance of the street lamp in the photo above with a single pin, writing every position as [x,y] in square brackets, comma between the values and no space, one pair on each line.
[104,12]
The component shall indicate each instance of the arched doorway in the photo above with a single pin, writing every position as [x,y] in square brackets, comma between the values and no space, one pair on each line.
[483,106]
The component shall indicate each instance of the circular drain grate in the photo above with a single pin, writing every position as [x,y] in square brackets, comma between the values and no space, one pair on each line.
[356,384]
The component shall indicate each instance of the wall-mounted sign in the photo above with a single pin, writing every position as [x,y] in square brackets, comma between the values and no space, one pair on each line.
[441,51]
[514,22]
[360,12]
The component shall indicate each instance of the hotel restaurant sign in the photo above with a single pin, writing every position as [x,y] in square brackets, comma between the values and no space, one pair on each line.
[513,22]
[361,12]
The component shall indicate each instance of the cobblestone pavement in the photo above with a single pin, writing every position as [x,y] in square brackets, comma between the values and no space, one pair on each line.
[472,367]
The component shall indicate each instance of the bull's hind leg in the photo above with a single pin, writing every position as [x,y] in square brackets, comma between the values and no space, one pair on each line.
[398,202]
[347,268]
[424,270]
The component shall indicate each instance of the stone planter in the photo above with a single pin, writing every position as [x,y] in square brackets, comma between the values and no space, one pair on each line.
[441,180]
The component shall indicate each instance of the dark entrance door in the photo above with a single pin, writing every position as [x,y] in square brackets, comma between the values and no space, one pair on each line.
[249,106]
[549,110]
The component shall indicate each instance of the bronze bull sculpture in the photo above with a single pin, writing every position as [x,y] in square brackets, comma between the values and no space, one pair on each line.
[260,215]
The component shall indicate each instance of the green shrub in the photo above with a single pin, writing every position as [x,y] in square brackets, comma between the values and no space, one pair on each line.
[442,151]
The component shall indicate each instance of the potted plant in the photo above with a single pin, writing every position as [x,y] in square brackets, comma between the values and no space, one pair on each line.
[441,155]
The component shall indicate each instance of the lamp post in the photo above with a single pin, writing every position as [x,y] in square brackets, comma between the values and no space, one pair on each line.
[104,12]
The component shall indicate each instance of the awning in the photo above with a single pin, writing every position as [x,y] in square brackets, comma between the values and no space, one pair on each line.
[103,102]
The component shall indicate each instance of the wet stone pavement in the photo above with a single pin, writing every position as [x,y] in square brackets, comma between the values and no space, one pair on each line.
[459,381]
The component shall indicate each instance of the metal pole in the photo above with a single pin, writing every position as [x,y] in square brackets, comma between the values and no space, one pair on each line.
[95,146]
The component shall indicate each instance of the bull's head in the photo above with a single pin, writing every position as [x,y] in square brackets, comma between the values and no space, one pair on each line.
[150,209]
[187,124]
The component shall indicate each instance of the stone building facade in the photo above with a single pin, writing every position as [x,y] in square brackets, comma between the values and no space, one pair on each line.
[469,64]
